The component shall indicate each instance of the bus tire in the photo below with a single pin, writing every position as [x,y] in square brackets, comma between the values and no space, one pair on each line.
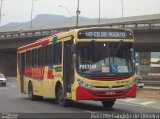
[108,103]
[31,95]
[30,92]
[60,97]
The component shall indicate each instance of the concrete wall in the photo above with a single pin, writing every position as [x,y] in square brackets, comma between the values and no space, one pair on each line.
[8,61]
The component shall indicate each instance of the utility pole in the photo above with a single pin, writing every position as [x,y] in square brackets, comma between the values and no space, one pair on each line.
[78,13]
[122,7]
[99,20]
[31,25]
[1,11]
[31,14]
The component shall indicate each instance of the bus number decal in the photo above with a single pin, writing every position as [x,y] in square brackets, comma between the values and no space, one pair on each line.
[87,66]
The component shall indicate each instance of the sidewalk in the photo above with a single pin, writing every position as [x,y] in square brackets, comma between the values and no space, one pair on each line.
[149,91]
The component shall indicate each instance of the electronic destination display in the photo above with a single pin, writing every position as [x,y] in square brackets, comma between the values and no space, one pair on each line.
[105,34]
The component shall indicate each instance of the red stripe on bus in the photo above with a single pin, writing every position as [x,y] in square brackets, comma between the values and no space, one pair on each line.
[50,74]
[43,42]
[35,72]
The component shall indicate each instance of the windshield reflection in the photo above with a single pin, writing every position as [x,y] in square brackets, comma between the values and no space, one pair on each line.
[105,57]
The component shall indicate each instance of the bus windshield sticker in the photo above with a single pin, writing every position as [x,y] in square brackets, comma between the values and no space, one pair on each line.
[87,66]
[105,69]
[122,69]
[113,68]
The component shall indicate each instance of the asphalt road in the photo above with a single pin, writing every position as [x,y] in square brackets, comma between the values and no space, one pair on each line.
[12,101]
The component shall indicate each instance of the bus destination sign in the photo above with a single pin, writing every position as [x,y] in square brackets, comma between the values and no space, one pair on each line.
[105,34]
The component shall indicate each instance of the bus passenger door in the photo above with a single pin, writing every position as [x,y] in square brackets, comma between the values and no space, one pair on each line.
[68,72]
[22,68]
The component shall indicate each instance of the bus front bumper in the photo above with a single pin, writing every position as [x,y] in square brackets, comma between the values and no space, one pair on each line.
[88,94]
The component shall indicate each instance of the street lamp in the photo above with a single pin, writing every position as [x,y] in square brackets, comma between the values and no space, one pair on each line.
[32,13]
[68,13]
[78,13]
[122,7]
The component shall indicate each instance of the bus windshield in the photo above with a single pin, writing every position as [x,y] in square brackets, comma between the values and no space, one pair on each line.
[105,57]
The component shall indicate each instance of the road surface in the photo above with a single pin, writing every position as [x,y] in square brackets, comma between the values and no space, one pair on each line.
[12,101]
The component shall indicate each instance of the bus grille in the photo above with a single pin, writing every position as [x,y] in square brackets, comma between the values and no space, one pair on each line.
[108,78]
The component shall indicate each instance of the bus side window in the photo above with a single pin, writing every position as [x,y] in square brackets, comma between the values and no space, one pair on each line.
[34,57]
[48,55]
[29,58]
[57,53]
[41,56]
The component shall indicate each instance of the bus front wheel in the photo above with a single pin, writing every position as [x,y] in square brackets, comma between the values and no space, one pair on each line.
[60,97]
[108,103]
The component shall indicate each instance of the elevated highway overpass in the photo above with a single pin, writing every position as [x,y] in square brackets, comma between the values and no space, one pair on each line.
[146,29]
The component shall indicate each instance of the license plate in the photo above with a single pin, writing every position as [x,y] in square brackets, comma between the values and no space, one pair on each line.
[110,93]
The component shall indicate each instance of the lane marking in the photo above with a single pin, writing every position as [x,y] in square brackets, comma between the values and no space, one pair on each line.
[17,96]
[148,102]
[13,86]
[82,110]
[128,99]
[135,104]
[89,111]
[4,88]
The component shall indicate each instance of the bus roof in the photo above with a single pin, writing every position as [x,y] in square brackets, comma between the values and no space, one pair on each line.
[43,41]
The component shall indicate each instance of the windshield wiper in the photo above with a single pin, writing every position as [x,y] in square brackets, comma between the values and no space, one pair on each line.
[117,48]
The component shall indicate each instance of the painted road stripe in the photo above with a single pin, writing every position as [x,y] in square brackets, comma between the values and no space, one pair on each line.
[135,104]
[128,99]
[148,102]
[4,88]
[13,86]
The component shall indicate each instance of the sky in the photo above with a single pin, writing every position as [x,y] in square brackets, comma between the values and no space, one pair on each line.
[20,10]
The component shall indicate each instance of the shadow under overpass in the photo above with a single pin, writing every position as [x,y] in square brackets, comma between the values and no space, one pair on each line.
[147,47]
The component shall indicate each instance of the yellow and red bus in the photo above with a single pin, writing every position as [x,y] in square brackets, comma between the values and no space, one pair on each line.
[82,64]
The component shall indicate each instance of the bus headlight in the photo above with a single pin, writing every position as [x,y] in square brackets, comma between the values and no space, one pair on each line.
[83,84]
[130,84]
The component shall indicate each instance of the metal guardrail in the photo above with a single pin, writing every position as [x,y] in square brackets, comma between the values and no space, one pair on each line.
[29,33]
[151,82]
[51,31]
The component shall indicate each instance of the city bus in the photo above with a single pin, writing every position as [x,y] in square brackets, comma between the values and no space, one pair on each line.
[82,64]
